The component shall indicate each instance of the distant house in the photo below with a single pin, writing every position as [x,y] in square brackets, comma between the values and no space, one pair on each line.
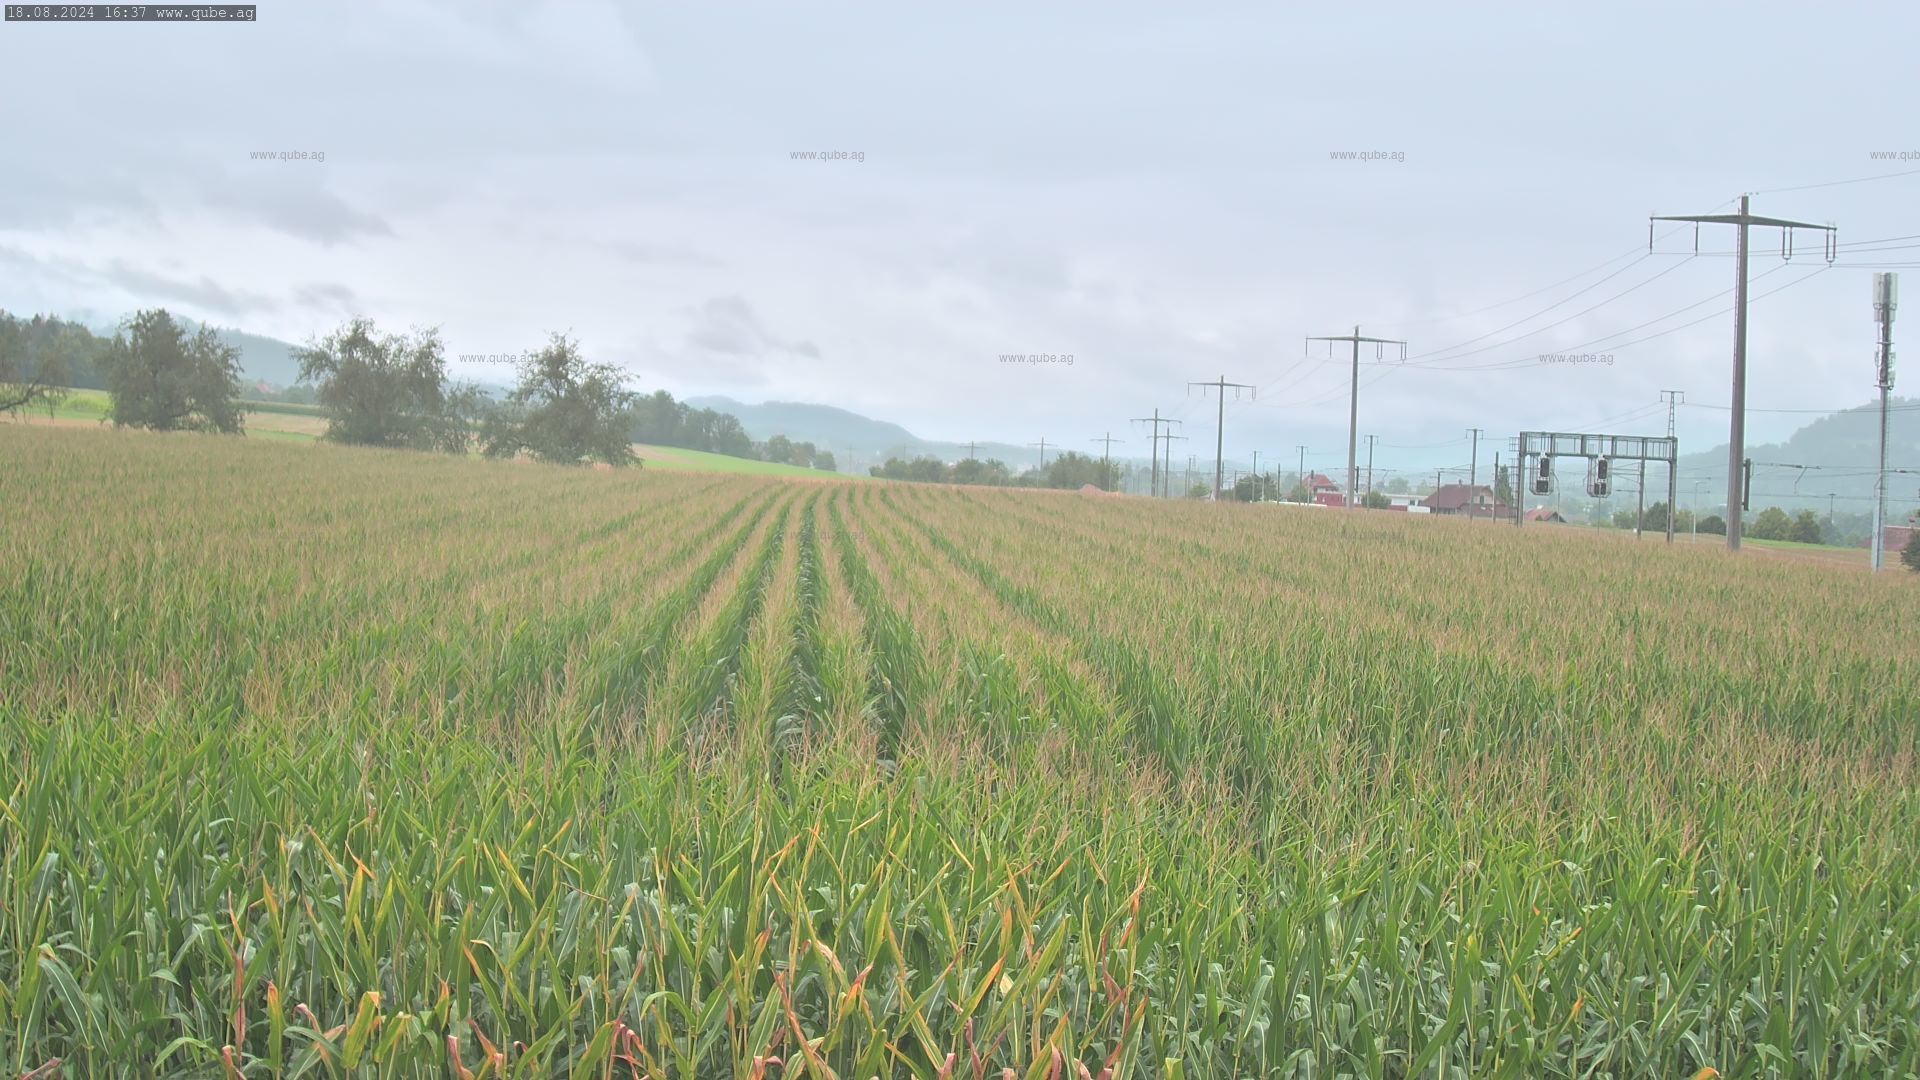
[1466,501]
[1325,491]
[1547,514]
[1407,504]
[1894,538]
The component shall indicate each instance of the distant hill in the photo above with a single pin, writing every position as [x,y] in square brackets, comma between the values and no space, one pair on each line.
[1841,449]
[263,359]
[839,430]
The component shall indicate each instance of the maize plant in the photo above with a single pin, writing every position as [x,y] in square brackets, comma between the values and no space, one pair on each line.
[317,761]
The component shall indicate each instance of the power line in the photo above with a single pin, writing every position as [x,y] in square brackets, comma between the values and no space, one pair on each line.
[1524,361]
[1544,288]
[1837,183]
[1910,407]
[1543,329]
[1482,337]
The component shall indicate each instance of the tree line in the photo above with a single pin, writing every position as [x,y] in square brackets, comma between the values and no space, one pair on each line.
[375,389]
[1070,470]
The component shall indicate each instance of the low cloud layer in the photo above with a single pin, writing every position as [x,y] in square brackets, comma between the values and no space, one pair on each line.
[1161,193]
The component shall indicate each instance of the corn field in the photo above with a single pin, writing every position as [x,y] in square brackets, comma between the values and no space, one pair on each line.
[324,762]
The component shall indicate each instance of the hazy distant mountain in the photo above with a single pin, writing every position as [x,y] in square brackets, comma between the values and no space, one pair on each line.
[839,430]
[263,359]
[1840,451]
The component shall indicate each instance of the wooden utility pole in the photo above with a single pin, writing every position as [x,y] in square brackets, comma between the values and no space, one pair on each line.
[1737,436]
[1220,429]
[1042,444]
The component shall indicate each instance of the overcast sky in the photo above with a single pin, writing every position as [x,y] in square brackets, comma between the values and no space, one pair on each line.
[1148,187]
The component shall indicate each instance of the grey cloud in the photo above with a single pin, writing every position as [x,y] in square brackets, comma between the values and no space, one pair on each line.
[146,286]
[645,254]
[328,294]
[305,211]
[205,293]
[727,325]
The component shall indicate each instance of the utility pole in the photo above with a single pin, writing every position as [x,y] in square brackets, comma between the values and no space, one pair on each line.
[1220,430]
[1371,439]
[1303,470]
[1189,484]
[1473,474]
[1042,444]
[1106,460]
[1168,470]
[1353,398]
[971,453]
[1886,295]
[1257,485]
[1673,397]
[1493,512]
[1737,437]
[1642,518]
[1154,446]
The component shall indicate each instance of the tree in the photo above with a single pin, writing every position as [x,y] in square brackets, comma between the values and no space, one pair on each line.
[1398,486]
[825,462]
[729,437]
[1299,494]
[390,390]
[657,419]
[1198,491]
[565,410]
[1715,524]
[1503,485]
[1910,555]
[779,450]
[803,454]
[166,380]
[992,472]
[27,381]
[1805,528]
[1772,524]
[1374,500]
